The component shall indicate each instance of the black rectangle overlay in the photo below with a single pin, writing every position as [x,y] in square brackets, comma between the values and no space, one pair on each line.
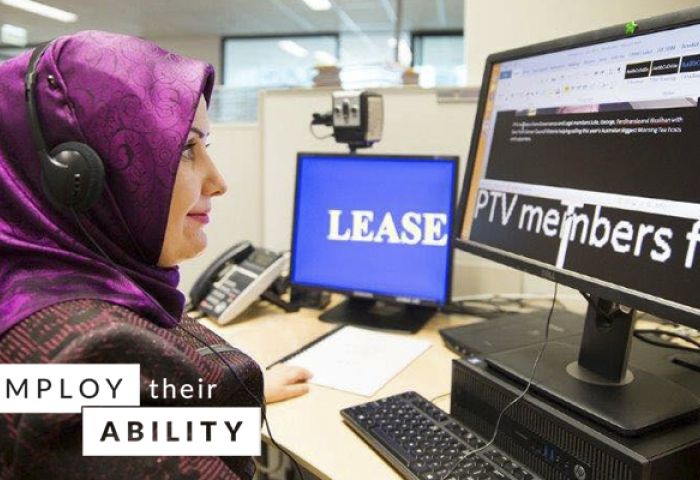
[637,70]
[646,153]
[667,66]
[690,63]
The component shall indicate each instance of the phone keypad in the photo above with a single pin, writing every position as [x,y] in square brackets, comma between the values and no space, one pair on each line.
[225,292]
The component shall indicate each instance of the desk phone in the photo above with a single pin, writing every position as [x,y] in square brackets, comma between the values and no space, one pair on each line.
[235,280]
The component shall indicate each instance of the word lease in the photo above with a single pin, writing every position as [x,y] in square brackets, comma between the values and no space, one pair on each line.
[412,228]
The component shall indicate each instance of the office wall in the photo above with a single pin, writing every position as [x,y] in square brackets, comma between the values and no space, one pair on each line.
[207,48]
[415,123]
[495,25]
[237,215]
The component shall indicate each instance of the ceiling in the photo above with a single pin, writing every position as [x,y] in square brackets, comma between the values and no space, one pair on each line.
[157,18]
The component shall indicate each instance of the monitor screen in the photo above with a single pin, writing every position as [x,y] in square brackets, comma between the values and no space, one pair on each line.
[374,226]
[584,167]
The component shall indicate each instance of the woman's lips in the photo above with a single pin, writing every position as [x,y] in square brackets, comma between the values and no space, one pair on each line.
[199,217]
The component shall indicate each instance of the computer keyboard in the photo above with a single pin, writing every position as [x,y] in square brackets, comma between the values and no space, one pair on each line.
[422,442]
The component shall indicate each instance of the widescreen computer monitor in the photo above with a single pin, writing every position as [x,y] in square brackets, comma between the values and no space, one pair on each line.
[584,169]
[377,228]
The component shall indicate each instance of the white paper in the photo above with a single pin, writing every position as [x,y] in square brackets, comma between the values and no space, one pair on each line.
[358,360]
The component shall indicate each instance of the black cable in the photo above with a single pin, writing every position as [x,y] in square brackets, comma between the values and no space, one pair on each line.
[92,240]
[313,132]
[432,400]
[228,365]
[593,304]
[252,395]
[516,399]
[641,335]
[217,353]
[562,306]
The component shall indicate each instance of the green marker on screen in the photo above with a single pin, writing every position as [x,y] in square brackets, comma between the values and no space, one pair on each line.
[631,27]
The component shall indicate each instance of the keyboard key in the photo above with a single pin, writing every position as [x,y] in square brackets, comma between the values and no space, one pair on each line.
[395,448]
[419,467]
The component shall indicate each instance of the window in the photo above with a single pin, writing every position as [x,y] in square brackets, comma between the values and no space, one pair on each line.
[251,64]
[7,53]
[276,61]
[439,58]
[367,59]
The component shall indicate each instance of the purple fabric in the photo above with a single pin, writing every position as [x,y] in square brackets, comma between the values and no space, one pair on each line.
[133,103]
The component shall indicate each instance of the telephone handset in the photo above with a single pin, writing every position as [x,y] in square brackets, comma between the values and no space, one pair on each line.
[236,279]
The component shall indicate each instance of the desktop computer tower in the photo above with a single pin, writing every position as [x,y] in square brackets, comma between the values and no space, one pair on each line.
[560,445]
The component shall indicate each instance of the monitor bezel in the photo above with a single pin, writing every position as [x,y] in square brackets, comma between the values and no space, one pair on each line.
[594,286]
[453,159]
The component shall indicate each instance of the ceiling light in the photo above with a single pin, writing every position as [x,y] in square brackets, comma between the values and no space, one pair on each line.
[318,4]
[42,9]
[293,48]
[325,58]
[12,35]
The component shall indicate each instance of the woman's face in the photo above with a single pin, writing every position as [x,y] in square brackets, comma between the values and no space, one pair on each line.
[197,181]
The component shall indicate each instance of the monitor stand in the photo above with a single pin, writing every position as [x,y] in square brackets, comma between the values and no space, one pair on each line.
[595,381]
[379,314]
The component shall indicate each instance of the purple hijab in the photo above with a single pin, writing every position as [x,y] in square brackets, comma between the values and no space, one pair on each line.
[133,103]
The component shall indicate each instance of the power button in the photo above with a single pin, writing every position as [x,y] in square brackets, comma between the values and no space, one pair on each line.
[579,472]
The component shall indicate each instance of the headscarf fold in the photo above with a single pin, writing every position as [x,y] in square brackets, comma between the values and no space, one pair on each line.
[134,104]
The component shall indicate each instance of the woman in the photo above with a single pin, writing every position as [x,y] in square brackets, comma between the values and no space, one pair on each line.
[100,286]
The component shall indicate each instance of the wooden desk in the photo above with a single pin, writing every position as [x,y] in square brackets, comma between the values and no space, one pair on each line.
[310,427]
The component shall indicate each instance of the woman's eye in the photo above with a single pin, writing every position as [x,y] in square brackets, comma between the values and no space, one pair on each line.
[188,152]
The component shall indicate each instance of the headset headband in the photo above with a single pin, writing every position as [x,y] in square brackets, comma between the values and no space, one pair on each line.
[30,97]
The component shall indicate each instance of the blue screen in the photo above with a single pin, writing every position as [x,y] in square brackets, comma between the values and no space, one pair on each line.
[379,225]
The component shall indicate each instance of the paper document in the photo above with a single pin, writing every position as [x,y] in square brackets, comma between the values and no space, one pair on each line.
[358,360]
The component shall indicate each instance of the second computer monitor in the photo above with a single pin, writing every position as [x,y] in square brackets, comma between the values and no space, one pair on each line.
[377,228]
[582,170]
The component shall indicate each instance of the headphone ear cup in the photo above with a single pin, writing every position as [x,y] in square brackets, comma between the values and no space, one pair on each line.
[74,176]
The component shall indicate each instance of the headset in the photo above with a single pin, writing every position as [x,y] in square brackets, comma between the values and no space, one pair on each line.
[72,178]
[72,174]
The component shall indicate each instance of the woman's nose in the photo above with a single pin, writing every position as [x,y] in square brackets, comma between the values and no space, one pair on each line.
[215,184]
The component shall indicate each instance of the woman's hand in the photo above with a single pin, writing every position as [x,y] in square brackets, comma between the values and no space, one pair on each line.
[283,382]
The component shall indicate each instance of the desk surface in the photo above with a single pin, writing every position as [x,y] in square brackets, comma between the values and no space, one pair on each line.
[310,427]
